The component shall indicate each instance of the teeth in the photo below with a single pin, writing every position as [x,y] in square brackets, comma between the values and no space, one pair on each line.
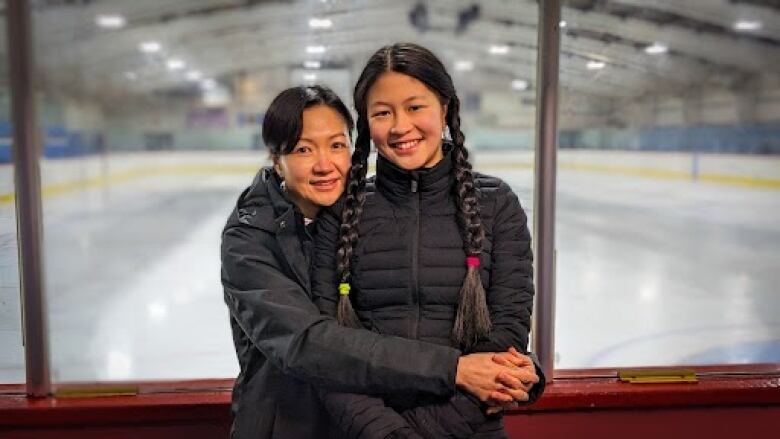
[406,145]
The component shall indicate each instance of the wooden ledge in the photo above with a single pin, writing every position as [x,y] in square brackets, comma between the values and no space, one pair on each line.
[208,401]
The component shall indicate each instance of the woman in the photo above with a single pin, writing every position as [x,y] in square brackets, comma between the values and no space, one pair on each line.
[425,250]
[283,344]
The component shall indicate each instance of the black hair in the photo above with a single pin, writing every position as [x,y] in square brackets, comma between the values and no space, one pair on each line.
[283,120]
[472,320]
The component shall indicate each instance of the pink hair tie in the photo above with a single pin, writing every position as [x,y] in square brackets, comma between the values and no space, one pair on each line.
[472,261]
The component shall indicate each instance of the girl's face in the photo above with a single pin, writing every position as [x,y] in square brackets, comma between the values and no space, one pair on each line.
[406,120]
[315,170]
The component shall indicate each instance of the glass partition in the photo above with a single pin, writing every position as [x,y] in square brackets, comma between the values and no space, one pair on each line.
[150,112]
[668,217]
[11,348]
[151,116]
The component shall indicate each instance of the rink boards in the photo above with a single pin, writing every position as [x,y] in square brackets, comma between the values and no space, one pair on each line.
[662,258]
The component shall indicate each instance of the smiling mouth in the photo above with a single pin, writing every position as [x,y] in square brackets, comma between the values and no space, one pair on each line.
[405,146]
[325,185]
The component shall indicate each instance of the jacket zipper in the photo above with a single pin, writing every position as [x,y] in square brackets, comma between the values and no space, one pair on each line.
[415,262]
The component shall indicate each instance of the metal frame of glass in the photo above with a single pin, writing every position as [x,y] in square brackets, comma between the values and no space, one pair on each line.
[26,151]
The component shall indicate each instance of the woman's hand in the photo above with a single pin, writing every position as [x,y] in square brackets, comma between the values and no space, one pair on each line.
[484,376]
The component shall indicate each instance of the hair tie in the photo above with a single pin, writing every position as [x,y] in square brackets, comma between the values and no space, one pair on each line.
[472,261]
[344,289]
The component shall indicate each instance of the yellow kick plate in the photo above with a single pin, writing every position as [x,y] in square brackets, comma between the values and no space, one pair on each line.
[95,391]
[658,376]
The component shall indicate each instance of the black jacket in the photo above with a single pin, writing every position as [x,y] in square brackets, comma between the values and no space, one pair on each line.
[408,268]
[284,345]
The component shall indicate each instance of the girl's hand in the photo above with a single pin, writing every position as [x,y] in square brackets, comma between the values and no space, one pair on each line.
[492,382]
[513,358]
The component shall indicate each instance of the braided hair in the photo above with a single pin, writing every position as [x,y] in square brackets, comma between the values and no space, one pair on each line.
[472,320]
[353,207]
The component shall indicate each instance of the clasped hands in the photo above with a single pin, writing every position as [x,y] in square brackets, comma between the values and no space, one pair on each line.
[499,379]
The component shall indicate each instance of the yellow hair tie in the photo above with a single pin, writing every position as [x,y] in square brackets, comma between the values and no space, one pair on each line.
[344,289]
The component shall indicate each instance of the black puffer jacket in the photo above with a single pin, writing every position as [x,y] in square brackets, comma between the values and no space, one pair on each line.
[409,265]
[284,345]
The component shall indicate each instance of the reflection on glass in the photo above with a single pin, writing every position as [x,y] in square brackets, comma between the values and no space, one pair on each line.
[669,185]
[150,114]
[11,349]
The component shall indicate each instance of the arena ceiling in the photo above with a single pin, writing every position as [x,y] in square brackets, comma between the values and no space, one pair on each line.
[610,48]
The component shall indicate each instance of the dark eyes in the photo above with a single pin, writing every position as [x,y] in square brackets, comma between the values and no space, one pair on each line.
[303,149]
[384,113]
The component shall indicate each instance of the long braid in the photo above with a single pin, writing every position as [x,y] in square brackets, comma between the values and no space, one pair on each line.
[348,234]
[356,188]
[472,320]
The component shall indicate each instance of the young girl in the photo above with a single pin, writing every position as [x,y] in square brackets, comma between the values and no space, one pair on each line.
[427,249]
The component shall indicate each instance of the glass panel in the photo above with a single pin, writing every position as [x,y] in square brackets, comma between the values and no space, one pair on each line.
[151,113]
[141,166]
[669,184]
[11,348]
[494,67]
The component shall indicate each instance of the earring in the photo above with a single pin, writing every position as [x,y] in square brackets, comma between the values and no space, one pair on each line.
[445,134]
[283,186]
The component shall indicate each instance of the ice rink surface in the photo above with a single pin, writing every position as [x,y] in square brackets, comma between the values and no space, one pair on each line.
[650,271]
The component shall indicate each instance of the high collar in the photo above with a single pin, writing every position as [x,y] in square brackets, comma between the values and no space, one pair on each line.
[281,204]
[266,191]
[283,207]
[400,183]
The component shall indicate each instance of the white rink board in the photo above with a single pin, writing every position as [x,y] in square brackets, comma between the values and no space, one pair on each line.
[652,269]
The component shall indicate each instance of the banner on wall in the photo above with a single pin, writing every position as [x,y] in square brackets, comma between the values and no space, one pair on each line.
[252,119]
[215,117]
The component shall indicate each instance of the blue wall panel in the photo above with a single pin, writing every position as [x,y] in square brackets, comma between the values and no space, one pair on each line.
[745,139]
[5,142]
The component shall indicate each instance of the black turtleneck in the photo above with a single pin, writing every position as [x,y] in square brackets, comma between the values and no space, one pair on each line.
[398,184]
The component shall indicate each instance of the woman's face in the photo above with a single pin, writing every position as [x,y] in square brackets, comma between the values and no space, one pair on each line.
[315,170]
[406,120]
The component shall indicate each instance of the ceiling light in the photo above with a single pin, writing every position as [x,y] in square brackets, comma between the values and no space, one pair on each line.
[747,25]
[596,65]
[499,49]
[175,64]
[131,75]
[193,75]
[208,84]
[113,21]
[320,23]
[519,84]
[150,47]
[315,49]
[464,65]
[656,49]
[312,64]
[562,24]
[309,77]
